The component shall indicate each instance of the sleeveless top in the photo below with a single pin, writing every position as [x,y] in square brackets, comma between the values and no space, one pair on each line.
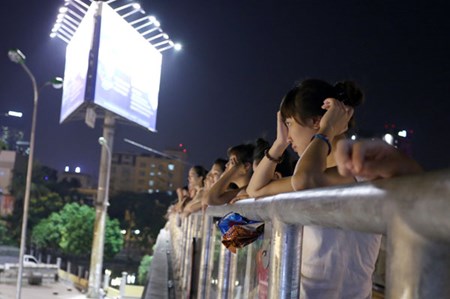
[337,264]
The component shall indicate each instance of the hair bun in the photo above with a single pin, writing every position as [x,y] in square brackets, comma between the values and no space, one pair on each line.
[348,93]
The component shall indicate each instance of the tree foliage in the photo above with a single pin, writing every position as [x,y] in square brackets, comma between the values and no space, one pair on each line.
[47,233]
[141,211]
[144,269]
[47,195]
[5,238]
[71,231]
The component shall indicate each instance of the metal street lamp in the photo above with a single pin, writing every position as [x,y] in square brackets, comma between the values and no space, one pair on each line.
[102,203]
[15,55]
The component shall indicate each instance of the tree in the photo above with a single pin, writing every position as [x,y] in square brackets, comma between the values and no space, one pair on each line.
[144,268]
[5,238]
[141,211]
[47,233]
[71,229]
[47,196]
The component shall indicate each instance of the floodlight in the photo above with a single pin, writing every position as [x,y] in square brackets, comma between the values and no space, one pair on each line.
[178,46]
[161,35]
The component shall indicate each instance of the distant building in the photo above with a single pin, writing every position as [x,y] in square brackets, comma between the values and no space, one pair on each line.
[149,173]
[84,179]
[12,139]
[7,163]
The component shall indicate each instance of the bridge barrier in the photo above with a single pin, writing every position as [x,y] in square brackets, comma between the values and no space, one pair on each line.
[411,212]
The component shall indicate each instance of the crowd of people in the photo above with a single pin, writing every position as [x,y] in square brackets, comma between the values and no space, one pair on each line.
[313,119]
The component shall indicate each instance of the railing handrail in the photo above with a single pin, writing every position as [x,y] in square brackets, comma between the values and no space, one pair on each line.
[422,201]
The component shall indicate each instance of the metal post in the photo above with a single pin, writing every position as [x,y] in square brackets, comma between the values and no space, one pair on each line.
[249,270]
[224,273]
[123,284]
[184,231]
[26,201]
[233,274]
[417,267]
[212,247]
[188,258]
[101,205]
[285,260]
[204,258]
[106,280]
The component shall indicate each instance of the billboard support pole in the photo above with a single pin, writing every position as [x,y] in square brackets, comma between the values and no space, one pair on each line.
[101,206]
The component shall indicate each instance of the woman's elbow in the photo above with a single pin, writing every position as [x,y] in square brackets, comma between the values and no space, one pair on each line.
[305,182]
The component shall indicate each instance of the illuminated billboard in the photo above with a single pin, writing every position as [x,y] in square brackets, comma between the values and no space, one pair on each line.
[122,74]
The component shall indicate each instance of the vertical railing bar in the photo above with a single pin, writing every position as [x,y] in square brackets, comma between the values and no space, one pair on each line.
[233,274]
[211,257]
[204,256]
[224,272]
[249,270]
[285,261]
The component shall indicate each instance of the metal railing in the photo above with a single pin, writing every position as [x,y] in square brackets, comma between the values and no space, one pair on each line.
[413,212]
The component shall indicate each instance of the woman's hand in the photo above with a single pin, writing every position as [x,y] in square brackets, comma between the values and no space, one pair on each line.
[335,121]
[282,132]
[373,159]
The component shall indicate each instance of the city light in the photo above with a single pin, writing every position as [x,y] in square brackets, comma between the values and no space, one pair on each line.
[353,137]
[77,169]
[15,113]
[66,169]
[403,133]
[389,138]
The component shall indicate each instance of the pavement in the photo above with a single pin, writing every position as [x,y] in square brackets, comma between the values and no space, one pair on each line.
[159,271]
[57,290]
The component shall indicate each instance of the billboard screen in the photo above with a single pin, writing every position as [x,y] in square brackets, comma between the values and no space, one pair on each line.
[127,69]
[77,63]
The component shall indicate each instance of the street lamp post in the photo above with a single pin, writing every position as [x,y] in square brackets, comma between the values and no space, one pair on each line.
[17,56]
[101,206]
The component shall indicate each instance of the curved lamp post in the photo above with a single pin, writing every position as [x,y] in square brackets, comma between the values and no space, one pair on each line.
[15,55]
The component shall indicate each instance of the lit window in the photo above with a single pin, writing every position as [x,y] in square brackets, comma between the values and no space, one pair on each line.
[171,167]
[151,183]
[150,191]
[152,173]
[159,172]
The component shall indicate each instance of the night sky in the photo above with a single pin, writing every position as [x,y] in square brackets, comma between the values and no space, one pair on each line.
[239,58]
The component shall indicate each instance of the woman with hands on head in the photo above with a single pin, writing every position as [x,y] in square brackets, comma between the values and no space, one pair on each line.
[237,172]
[212,176]
[196,177]
[313,117]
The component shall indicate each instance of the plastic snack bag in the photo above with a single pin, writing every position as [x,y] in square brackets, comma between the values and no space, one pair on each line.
[238,231]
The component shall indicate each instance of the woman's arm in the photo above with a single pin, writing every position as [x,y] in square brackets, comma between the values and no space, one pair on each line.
[311,170]
[373,159]
[219,193]
[261,183]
